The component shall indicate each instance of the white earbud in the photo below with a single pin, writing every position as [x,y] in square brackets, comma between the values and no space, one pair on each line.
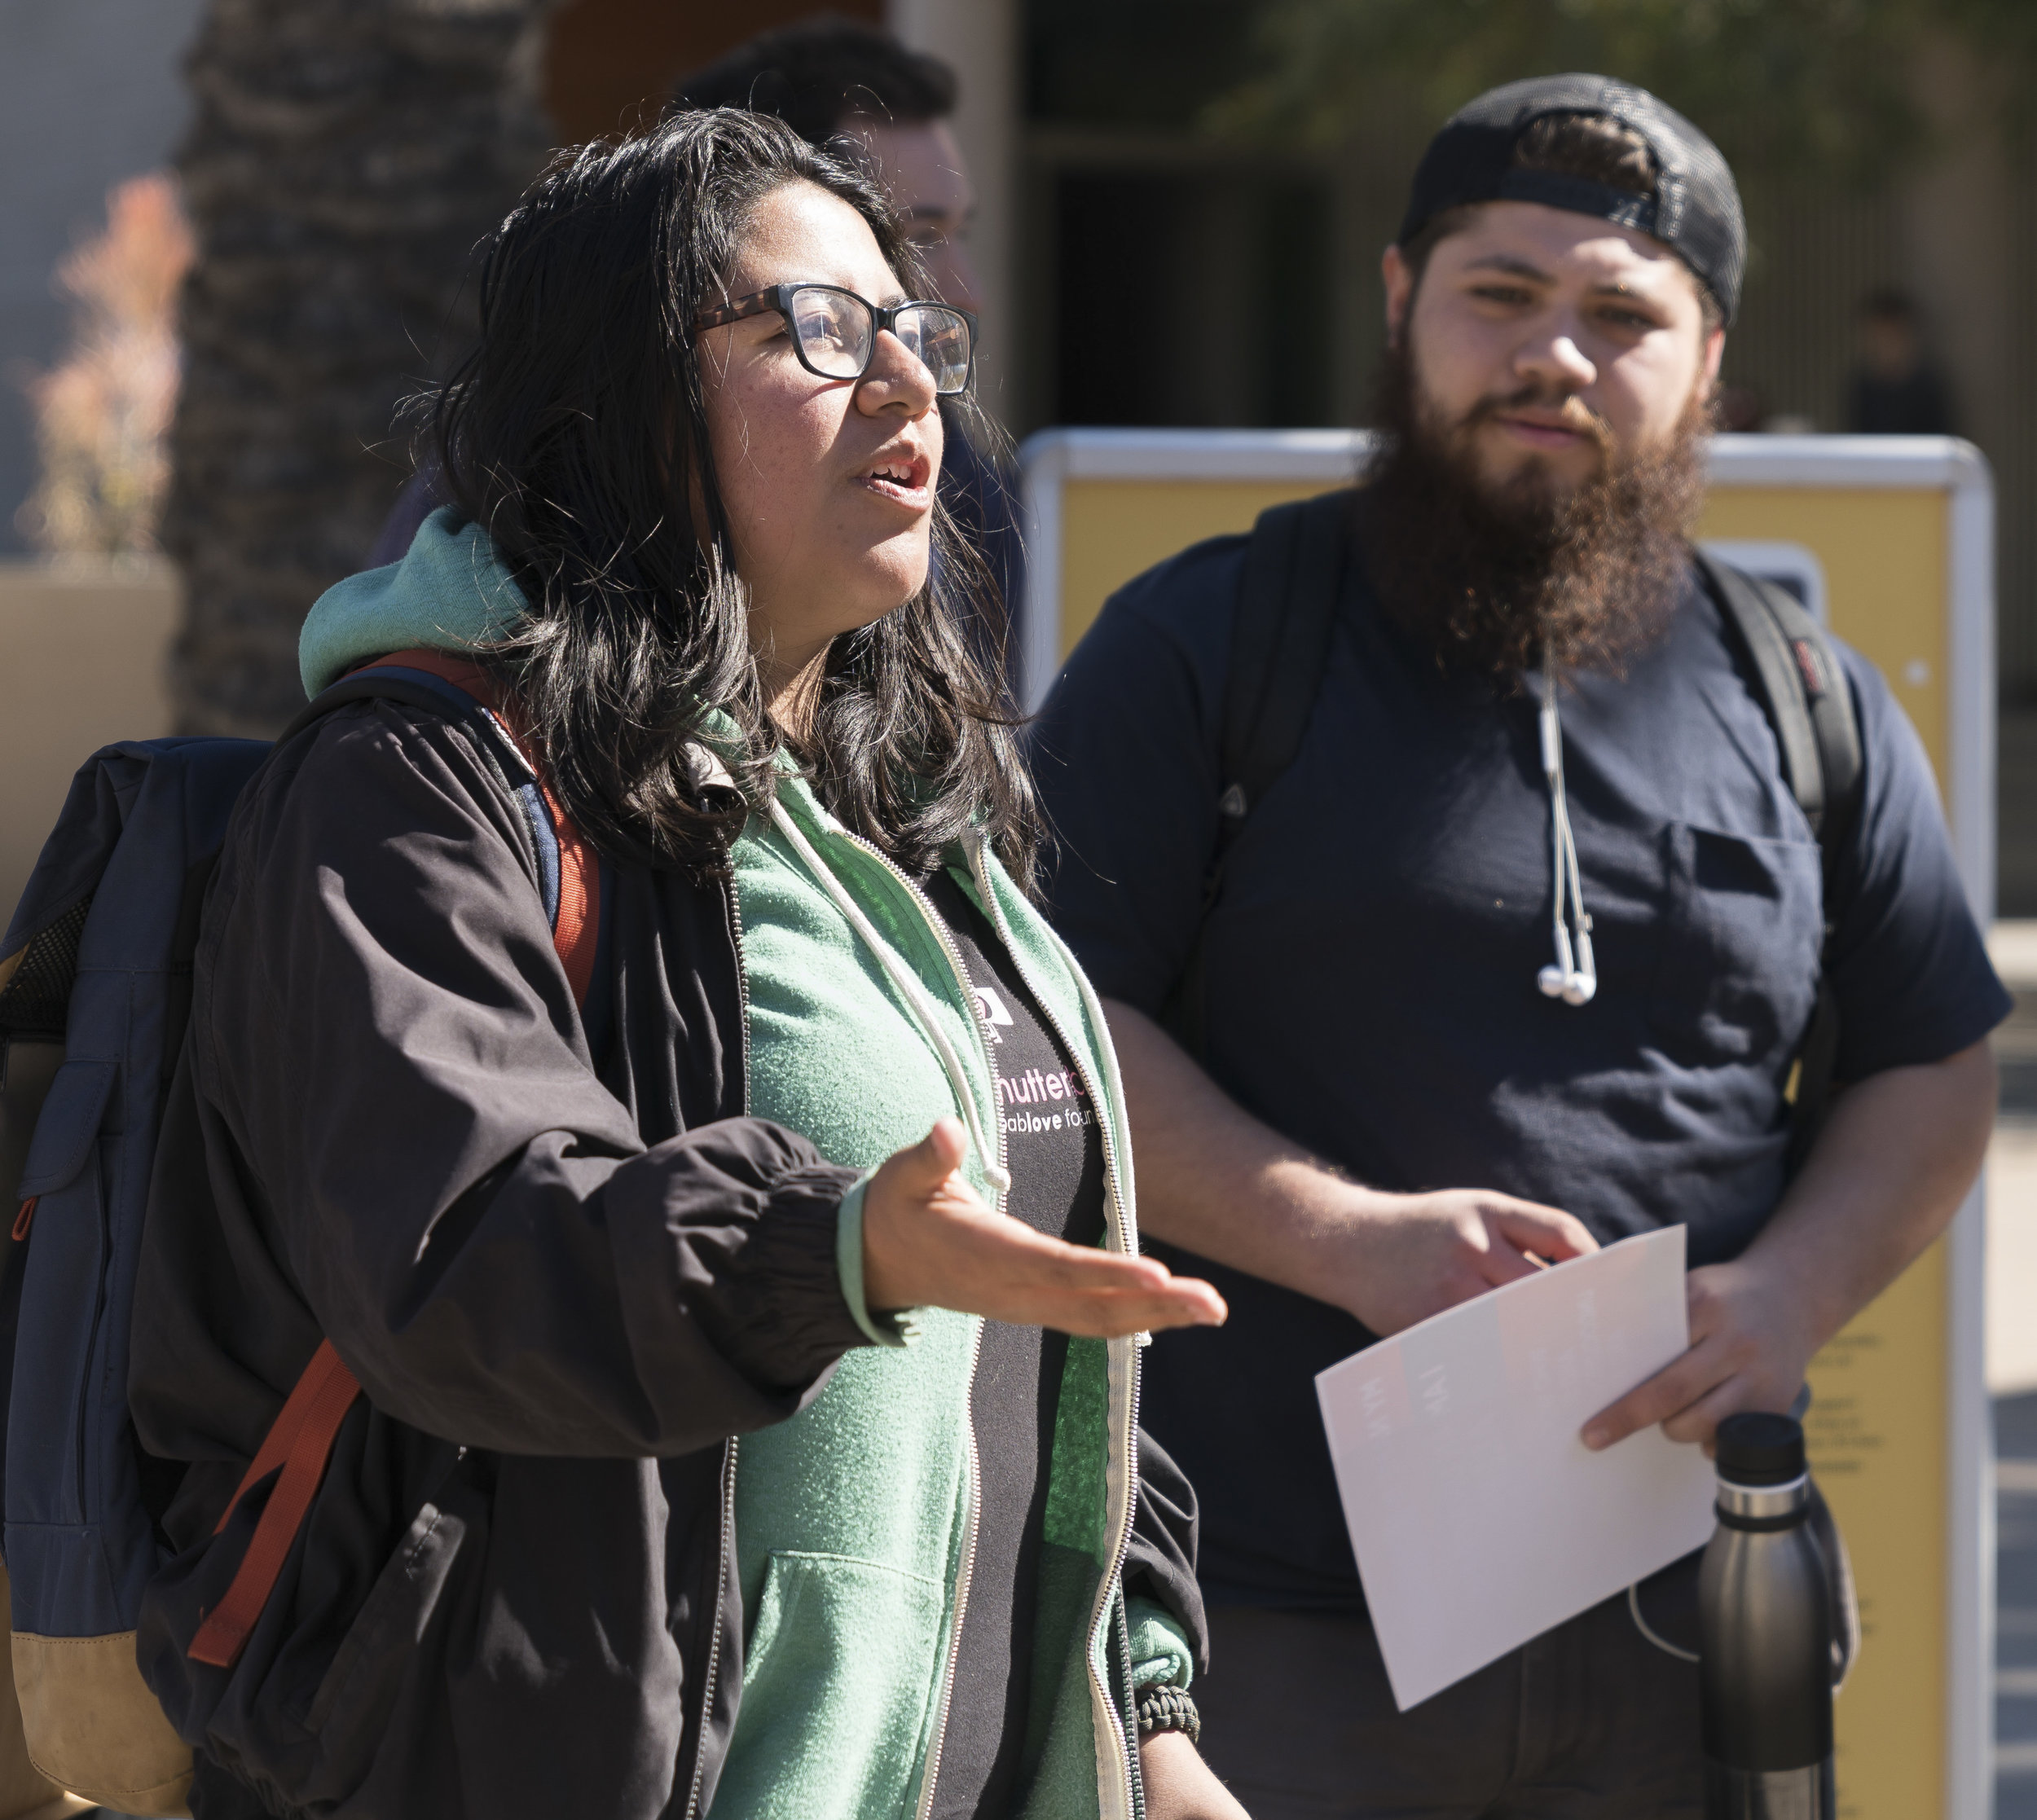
[1574,976]
[1573,988]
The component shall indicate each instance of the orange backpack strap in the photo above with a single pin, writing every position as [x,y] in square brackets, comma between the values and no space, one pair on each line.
[300,1442]
[576,907]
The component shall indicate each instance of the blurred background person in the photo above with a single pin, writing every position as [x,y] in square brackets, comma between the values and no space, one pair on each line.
[1896,388]
[850,87]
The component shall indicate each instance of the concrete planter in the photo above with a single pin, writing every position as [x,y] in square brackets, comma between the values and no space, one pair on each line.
[83,654]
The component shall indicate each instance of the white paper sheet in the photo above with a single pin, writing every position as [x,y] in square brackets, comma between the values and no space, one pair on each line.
[1480,1520]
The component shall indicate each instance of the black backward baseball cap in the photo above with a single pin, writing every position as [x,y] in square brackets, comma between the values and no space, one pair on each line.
[1695,211]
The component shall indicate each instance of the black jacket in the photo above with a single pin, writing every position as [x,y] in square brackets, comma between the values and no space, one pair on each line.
[562,1287]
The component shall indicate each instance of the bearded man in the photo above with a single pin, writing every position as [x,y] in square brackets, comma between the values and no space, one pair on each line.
[1379,1013]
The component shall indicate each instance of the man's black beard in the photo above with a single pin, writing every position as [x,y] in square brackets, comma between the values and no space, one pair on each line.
[1486,577]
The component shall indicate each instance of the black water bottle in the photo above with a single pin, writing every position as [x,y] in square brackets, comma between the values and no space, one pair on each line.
[1765,1621]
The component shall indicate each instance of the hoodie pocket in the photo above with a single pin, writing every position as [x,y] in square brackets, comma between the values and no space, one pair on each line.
[844,1664]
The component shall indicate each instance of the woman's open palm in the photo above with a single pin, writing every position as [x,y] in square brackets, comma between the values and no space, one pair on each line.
[929,1242]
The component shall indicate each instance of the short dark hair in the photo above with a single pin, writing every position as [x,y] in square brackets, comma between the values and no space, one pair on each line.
[575,434]
[821,72]
[1593,147]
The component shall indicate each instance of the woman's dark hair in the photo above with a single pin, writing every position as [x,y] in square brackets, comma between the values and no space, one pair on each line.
[576,435]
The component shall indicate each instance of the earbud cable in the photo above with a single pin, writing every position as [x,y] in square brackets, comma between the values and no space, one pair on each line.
[1575,977]
[1648,1631]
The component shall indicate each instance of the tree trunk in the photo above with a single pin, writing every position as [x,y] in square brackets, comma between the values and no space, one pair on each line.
[1966,224]
[345,158]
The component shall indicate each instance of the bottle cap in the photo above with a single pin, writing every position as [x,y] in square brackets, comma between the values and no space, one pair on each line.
[1755,1448]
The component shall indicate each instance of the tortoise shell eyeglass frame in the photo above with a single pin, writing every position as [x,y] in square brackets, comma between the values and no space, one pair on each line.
[779,298]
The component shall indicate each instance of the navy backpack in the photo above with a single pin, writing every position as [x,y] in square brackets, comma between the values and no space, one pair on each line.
[95,987]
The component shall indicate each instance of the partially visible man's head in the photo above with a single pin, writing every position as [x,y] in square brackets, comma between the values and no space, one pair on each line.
[1891,334]
[854,88]
[1556,308]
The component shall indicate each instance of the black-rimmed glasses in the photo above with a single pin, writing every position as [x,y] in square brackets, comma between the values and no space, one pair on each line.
[834,332]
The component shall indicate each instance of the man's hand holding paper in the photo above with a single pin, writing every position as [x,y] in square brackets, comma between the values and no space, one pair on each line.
[1750,1345]
[1478,1518]
[1895,1155]
[1409,1257]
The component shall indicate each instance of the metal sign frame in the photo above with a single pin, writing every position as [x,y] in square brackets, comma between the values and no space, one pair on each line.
[1796,567]
[1945,464]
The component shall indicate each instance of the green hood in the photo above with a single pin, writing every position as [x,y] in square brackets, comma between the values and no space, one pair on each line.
[450,593]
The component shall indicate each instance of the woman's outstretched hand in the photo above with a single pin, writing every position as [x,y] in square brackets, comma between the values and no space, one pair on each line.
[928,1241]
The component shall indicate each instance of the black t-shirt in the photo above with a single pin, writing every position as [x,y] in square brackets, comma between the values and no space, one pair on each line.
[1055,1153]
[1371,968]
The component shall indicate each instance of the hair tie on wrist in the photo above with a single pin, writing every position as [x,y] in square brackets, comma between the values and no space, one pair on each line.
[1168,1709]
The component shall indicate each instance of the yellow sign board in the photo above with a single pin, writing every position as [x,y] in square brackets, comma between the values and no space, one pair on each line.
[1894,537]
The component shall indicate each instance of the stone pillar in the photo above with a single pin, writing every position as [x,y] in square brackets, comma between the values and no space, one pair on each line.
[979,39]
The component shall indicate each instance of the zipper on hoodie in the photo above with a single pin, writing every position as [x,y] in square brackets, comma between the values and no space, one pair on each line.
[1128,1711]
[733,900]
[714,1644]
[939,931]
[1133,1783]
[973,1459]
[964,1575]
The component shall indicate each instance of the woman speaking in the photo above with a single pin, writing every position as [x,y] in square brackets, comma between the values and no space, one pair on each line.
[709,1165]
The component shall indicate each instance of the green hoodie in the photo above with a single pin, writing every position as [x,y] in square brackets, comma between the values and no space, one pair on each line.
[854,1521]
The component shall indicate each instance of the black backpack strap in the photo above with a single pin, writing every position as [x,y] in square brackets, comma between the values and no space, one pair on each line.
[1287,597]
[385,682]
[1811,706]
[1804,691]
[1280,640]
